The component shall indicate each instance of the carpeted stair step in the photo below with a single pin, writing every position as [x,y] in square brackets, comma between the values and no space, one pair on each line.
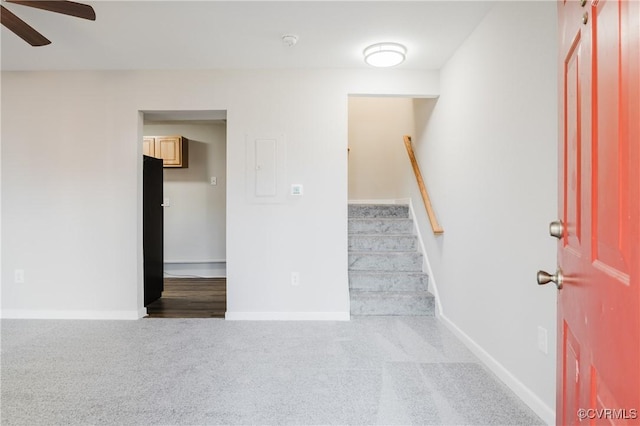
[385,261]
[380,226]
[392,303]
[387,281]
[385,243]
[379,210]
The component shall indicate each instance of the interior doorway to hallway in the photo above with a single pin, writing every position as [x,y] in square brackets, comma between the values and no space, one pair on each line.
[194,214]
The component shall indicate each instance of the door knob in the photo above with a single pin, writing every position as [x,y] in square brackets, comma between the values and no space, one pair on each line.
[556,229]
[545,278]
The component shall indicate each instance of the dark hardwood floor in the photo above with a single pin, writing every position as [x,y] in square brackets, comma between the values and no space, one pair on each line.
[191,298]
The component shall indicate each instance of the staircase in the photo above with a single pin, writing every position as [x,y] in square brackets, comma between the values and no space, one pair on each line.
[385,267]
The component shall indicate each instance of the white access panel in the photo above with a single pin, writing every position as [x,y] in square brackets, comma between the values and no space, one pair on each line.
[266,167]
[266,171]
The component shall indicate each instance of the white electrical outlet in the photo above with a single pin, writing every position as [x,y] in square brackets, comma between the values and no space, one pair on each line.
[214,180]
[19,276]
[295,278]
[543,343]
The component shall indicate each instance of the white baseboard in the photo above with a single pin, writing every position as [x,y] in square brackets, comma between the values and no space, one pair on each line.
[380,201]
[287,316]
[195,268]
[426,265]
[546,413]
[74,315]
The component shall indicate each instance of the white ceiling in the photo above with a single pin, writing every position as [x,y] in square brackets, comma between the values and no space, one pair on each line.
[240,34]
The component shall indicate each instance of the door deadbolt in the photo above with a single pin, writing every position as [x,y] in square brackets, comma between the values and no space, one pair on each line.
[556,229]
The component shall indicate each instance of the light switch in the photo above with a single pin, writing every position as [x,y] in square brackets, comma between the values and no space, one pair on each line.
[166,202]
[296,189]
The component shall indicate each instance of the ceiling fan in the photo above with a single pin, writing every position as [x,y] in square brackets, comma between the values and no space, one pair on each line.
[27,32]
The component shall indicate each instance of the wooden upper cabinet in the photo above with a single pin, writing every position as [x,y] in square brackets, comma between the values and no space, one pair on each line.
[148,147]
[173,150]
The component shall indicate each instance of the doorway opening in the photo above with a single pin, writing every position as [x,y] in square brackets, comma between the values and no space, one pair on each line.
[194,214]
[385,208]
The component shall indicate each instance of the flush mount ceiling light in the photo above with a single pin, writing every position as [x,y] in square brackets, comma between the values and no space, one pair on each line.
[385,54]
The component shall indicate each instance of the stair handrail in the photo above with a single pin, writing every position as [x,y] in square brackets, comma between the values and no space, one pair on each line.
[435,226]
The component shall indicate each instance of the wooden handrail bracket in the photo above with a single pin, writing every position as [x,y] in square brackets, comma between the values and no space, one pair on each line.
[435,226]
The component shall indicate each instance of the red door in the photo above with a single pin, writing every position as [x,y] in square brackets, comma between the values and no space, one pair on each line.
[599,204]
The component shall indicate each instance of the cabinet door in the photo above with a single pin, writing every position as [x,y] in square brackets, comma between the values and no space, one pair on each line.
[148,147]
[169,148]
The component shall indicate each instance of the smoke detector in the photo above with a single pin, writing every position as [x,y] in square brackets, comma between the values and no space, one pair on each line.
[289,40]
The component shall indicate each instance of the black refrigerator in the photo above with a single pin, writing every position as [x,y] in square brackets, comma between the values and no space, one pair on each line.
[152,229]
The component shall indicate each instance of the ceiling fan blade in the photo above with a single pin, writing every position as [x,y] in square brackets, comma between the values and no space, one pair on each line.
[21,28]
[70,8]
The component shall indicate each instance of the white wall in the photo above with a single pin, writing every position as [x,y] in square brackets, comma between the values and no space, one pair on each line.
[489,156]
[378,161]
[72,185]
[195,220]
